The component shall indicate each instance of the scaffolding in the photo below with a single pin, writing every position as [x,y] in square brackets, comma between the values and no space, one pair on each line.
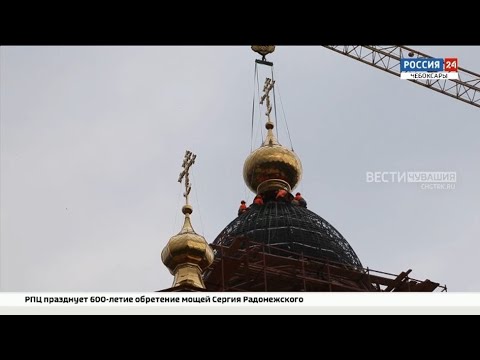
[246,266]
[292,228]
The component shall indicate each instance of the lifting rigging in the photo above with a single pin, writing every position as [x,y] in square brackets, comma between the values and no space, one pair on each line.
[387,58]
[277,245]
[465,88]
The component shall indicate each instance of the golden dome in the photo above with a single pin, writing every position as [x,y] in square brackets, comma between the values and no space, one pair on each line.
[187,254]
[272,166]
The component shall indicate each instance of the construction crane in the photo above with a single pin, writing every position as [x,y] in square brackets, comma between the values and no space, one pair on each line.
[387,58]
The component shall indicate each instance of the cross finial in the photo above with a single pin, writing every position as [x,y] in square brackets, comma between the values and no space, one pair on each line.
[266,89]
[188,161]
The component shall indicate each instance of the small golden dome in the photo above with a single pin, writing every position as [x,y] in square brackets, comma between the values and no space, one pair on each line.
[272,166]
[187,254]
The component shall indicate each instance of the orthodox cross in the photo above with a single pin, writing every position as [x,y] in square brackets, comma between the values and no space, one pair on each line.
[266,89]
[188,161]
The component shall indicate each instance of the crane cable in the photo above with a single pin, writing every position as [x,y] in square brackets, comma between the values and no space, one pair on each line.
[255,75]
[255,79]
[283,111]
[253,136]
[284,118]
[274,104]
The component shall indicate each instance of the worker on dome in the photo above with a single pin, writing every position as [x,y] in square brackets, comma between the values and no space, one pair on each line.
[243,207]
[282,195]
[300,200]
[258,200]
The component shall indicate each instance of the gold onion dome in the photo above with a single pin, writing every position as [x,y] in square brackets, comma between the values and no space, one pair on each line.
[187,254]
[272,166]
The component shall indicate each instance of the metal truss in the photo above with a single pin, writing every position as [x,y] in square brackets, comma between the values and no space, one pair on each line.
[292,228]
[249,266]
[387,58]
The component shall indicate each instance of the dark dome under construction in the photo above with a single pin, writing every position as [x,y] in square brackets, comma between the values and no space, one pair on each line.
[293,228]
[276,244]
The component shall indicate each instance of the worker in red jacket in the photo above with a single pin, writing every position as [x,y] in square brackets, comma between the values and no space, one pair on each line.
[282,195]
[301,201]
[243,207]
[258,200]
